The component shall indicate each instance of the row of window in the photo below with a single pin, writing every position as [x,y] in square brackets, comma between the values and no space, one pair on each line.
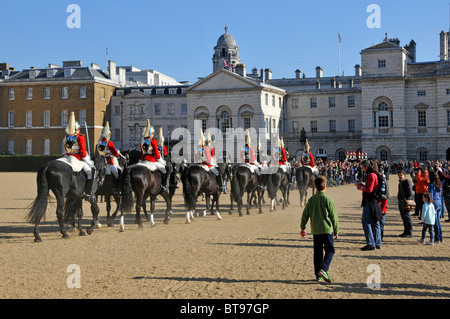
[29,147]
[280,101]
[331,102]
[46,118]
[331,126]
[138,110]
[47,91]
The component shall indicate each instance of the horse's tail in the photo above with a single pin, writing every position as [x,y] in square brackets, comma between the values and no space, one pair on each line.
[236,192]
[273,183]
[190,196]
[127,191]
[71,207]
[39,205]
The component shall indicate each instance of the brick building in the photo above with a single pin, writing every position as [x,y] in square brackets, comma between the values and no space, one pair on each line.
[35,103]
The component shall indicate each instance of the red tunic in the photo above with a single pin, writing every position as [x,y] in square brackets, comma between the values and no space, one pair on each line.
[81,141]
[154,155]
[208,156]
[311,161]
[113,151]
[283,157]
[251,156]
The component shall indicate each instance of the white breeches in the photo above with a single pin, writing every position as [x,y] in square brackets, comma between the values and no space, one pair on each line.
[87,169]
[114,171]
[160,167]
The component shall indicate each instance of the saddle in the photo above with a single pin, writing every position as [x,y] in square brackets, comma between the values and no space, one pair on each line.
[73,162]
[149,165]
[249,166]
[212,170]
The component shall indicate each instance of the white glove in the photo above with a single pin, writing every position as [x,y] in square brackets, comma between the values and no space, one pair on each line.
[87,159]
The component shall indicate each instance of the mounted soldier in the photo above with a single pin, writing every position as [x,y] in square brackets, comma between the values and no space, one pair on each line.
[150,153]
[106,148]
[307,159]
[75,145]
[248,154]
[205,155]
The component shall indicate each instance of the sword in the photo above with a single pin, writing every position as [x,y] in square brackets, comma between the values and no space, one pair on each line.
[87,138]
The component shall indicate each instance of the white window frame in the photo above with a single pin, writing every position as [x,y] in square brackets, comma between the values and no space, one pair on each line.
[29,119]
[47,93]
[11,94]
[83,91]
[46,118]
[28,147]
[64,93]
[47,146]
[64,118]
[29,93]
[82,117]
[11,119]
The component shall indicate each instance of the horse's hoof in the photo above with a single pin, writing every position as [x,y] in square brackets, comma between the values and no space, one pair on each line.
[82,233]
[38,240]
[166,221]
[89,231]
[121,229]
[230,212]
[65,236]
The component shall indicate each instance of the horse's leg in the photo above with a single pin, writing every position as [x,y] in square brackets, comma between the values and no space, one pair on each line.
[249,198]
[168,200]
[95,210]
[110,219]
[208,205]
[60,212]
[139,203]
[217,195]
[231,204]
[152,209]
[258,192]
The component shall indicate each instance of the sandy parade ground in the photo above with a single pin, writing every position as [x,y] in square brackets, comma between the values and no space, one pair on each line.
[257,256]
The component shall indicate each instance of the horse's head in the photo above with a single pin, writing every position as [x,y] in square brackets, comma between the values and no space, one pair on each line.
[100,167]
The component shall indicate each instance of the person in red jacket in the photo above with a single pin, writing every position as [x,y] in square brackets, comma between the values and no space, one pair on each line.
[75,145]
[106,148]
[307,159]
[372,214]
[150,152]
[421,187]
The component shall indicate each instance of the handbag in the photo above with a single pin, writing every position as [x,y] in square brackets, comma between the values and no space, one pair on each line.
[410,205]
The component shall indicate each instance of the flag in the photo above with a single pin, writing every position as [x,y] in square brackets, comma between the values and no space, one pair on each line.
[340,39]
[226,65]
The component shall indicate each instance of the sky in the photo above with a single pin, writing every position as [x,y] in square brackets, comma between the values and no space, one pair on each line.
[177,37]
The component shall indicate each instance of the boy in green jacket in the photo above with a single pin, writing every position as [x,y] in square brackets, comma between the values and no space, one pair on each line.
[324,223]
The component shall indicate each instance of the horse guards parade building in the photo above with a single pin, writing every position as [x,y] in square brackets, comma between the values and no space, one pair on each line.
[392,108]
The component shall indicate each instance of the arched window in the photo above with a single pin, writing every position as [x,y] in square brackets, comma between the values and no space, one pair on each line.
[384,156]
[383,115]
[423,155]
[224,121]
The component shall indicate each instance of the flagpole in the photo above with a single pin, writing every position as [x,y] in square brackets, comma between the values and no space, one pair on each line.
[339,55]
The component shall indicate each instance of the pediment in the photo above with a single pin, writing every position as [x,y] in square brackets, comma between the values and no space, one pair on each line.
[223,80]
[136,94]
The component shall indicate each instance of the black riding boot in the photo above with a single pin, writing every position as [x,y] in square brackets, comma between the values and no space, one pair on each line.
[88,191]
[219,181]
[164,183]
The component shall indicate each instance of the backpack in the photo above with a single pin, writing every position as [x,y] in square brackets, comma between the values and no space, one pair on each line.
[382,191]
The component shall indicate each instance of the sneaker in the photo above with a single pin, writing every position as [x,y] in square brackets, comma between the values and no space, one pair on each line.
[368,247]
[420,241]
[430,243]
[324,275]
[320,279]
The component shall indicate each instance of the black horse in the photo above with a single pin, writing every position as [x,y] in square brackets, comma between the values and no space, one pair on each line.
[111,187]
[144,183]
[305,179]
[277,179]
[64,183]
[196,180]
[244,180]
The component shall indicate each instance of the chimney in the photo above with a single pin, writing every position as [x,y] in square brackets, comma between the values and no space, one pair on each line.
[298,74]
[319,72]
[318,84]
[75,63]
[350,82]
[263,80]
[122,75]
[358,70]
[95,66]
[268,73]
[112,70]
[411,48]
[444,46]
[241,69]
[333,83]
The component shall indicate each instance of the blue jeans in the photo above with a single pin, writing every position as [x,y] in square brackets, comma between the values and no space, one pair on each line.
[371,227]
[323,243]
[437,223]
